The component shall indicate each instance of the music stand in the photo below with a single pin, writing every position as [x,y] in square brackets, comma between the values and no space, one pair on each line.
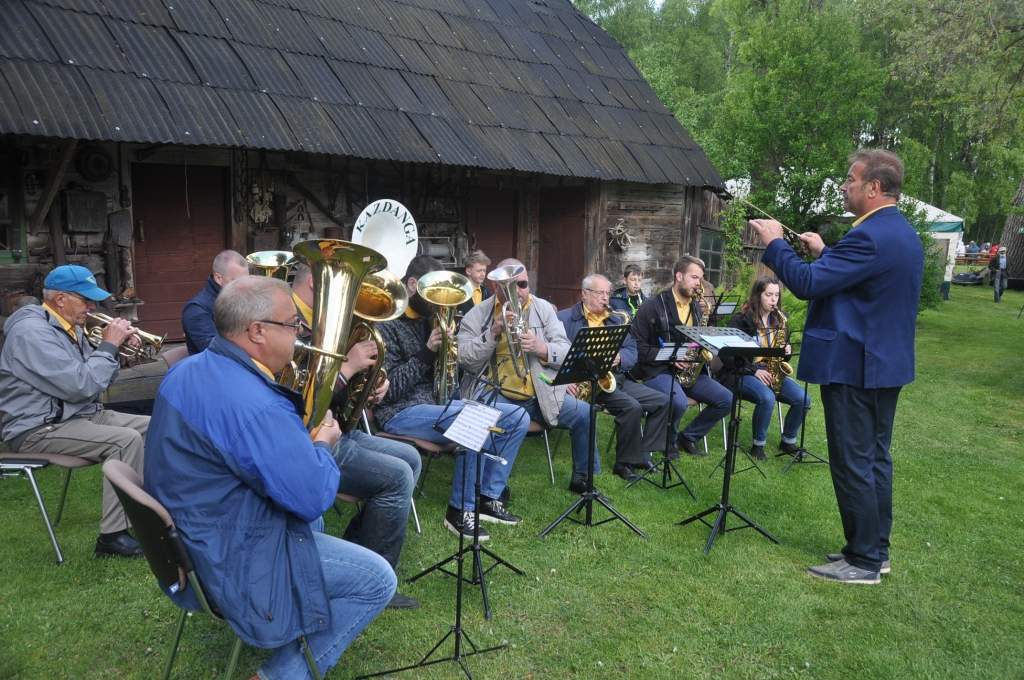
[801,454]
[725,307]
[668,353]
[740,356]
[589,358]
[479,572]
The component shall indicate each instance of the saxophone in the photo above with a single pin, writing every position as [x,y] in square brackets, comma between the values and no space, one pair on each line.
[778,367]
[607,382]
[696,356]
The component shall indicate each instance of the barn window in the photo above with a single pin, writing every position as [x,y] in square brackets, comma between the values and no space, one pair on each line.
[711,253]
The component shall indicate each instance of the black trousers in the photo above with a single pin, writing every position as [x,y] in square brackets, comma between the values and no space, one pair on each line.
[628,403]
[858,425]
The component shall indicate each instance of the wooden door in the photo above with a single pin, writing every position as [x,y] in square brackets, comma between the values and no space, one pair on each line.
[491,222]
[561,223]
[180,225]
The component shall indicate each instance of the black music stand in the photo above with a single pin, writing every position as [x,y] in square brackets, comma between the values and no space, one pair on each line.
[801,455]
[740,357]
[725,307]
[589,358]
[668,353]
[479,572]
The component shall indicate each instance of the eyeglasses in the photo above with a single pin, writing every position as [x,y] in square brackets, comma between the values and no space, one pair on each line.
[598,293]
[295,323]
[523,284]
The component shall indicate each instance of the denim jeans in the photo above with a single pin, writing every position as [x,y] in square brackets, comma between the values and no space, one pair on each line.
[716,399]
[359,584]
[382,473]
[764,399]
[575,417]
[418,421]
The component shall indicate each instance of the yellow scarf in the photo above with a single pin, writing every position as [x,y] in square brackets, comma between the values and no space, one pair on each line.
[518,388]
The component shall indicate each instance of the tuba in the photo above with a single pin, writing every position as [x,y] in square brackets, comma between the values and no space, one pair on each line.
[696,356]
[338,269]
[382,297]
[514,328]
[97,321]
[778,367]
[446,291]
[607,382]
[274,263]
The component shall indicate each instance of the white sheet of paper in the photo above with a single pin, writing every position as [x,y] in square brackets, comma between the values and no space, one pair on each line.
[720,341]
[665,352]
[470,427]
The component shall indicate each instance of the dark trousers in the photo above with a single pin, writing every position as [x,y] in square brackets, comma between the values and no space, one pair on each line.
[628,403]
[858,425]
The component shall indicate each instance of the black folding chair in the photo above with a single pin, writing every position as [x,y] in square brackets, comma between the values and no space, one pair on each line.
[168,557]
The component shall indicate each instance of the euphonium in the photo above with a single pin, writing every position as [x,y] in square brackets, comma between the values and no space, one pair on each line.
[273,263]
[505,277]
[382,297]
[97,321]
[446,291]
[607,382]
[696,356]
[778,367]
[338,269]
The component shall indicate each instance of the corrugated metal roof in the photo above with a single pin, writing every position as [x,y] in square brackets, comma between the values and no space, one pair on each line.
[503,84]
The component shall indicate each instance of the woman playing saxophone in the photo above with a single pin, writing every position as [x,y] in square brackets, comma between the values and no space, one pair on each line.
[761,316]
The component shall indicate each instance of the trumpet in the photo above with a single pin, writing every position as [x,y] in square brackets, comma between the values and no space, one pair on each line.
[517,325]
[446,291]
[97,321]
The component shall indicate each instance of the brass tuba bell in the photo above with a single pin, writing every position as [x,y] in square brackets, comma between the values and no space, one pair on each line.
[274,263]
[446,291]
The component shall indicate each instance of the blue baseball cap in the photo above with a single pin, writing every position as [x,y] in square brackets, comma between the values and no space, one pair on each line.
[71,278]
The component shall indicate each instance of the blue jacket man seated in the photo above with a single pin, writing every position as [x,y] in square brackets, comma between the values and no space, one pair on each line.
[630,400]
[197,314]
[233,463]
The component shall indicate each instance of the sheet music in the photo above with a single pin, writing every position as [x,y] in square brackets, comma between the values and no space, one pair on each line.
[666,352]
[472,426]
[720,341]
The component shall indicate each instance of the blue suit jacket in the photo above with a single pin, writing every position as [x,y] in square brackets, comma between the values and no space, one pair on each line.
[864,293]
[573,320]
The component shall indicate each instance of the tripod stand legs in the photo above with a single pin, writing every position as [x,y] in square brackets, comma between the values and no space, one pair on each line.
[667,469]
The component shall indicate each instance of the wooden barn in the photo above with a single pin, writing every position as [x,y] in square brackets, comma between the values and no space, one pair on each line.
[141,137]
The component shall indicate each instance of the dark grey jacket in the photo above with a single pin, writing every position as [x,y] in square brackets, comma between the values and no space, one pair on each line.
[45,376]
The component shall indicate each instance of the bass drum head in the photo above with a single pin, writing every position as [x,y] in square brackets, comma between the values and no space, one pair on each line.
[387,226]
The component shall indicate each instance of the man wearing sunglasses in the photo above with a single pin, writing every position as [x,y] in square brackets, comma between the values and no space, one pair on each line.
[51,380]
[482,341]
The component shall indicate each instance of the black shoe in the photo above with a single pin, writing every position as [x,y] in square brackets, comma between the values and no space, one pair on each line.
[578,484]
[688,446]
[119,544]
[645,466]
[506,495]
[757,452]
[625,471]
[400,601]
[788,449]
[494,511]
[459,522]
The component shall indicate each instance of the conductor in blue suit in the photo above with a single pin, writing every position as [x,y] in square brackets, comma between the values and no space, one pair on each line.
[859,346]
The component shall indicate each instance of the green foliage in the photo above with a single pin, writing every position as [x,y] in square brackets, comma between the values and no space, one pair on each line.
[934,258]
[732,221]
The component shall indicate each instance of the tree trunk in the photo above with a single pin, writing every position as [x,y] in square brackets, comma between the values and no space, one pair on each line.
[1013,239]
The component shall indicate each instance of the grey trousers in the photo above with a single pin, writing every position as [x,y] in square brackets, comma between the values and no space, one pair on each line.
[103,435]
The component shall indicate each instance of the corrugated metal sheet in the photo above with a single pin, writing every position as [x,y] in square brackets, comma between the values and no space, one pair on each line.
[152,52]
[311,125]
[215,61]
[80,39]
[270,71]
[259,121]
[22,38]
[504,84]
[318,78]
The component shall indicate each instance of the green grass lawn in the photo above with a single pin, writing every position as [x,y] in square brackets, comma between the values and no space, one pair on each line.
[603,603]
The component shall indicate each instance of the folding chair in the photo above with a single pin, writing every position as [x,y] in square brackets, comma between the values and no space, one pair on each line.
[535,429]
[15,464]
[168,557]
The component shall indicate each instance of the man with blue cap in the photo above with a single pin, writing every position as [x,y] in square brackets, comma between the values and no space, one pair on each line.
[51,380]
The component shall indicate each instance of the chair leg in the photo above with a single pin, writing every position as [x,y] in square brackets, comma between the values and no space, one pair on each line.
[778,407]
[700,407]
[551,464]
[42,510]
[423,474]
[416,516]
[233,661]
[310,661]
[174,646]
[63,497]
